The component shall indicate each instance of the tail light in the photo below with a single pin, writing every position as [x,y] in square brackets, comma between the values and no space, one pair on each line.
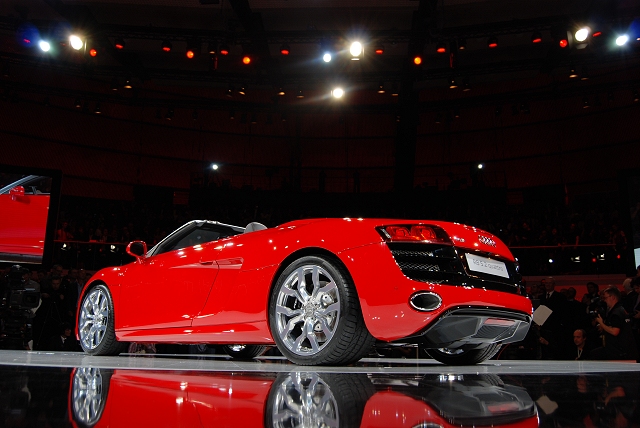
[414,233]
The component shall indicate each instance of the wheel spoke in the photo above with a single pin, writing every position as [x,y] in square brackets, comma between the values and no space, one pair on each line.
[311,335]
[325,329]
[291,324]
[302,286]
[334,307]
[288,311]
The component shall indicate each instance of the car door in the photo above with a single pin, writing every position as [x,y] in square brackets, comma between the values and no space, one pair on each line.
[167,290]
[23,218]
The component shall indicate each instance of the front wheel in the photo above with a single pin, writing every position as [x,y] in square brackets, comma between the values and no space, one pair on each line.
[461,357]
[315,316]
[96,324]
[243,351]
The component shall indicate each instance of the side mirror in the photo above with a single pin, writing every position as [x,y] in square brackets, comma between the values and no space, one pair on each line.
[137,249]
[16,192]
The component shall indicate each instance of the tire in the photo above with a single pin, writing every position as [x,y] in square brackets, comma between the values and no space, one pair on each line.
[300,399]
[460,357]
[315,316]
[243,351]
[89,390]
[96,324]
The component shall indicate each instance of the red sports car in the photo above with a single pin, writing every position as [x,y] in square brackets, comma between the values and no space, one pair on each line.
[324,291]
[24,208]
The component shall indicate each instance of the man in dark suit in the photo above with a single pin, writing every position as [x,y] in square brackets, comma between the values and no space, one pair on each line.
[556,332]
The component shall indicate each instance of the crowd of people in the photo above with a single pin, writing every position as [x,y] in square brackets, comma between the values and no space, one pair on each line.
[603,325]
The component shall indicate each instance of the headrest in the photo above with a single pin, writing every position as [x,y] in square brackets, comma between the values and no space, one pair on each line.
[253,226]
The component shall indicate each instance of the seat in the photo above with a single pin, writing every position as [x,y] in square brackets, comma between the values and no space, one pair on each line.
[253,226]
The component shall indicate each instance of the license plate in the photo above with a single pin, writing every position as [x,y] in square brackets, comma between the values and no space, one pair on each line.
[485,265]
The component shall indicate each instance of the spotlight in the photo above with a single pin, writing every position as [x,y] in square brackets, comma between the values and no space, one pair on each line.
[230,92]
[97,110]
[78,103]
[242,90]
[246,60]
[284,49]
[563,42]
[93,52]
[622,40]
[462,44]
[356,50]
[441,48]
[573,73]
[281,91]
[326,57]
[379,50]
[300,94]
[215,166]
[480,166]
[119,44]
[76,42]
[456,113]
[585,73]
[492,42]
[224,49]
[536,37]
[417,60]
[44,45]
[190,53]
[381,88]
[466,87]
[114,84]
[394,90]
[127,84]
[337,92]
[166,46]
[452,83]
[212,48]
[581,34]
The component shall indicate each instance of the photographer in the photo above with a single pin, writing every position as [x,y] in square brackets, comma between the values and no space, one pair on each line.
[618,341]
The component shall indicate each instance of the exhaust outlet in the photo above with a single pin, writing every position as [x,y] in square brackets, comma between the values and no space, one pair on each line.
[425,301]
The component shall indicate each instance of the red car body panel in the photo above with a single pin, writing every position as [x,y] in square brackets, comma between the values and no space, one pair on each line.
[218,292]
[23,223]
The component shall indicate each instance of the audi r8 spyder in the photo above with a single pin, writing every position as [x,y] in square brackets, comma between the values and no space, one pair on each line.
[324,291]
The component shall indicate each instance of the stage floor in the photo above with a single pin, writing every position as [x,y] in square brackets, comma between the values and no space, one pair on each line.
[71,389]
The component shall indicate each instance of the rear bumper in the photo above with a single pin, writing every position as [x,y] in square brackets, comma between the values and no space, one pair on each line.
[472,327]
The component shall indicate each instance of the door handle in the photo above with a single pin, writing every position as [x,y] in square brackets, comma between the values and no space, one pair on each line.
[206,262]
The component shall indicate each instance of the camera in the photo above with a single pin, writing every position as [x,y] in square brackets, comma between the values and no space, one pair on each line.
[598,311]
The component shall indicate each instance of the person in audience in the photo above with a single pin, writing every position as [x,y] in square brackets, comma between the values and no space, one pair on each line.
[581,350]
[618,343]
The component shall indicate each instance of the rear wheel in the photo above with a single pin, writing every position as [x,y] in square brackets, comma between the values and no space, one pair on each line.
[243,351]
[460,357]
[96,324]
[315,315]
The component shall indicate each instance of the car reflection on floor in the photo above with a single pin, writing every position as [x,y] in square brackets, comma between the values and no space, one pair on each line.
[123,398]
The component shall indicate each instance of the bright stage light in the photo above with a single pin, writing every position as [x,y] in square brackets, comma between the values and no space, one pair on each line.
[622,40]
[582,34]
[44,46]
[326,57]
[337,92]
[214,166]
[76,42]
[356,50]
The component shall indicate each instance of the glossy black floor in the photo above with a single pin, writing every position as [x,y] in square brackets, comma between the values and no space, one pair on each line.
[45,389]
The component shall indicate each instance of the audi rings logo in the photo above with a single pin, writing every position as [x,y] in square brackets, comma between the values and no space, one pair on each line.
[486,240]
